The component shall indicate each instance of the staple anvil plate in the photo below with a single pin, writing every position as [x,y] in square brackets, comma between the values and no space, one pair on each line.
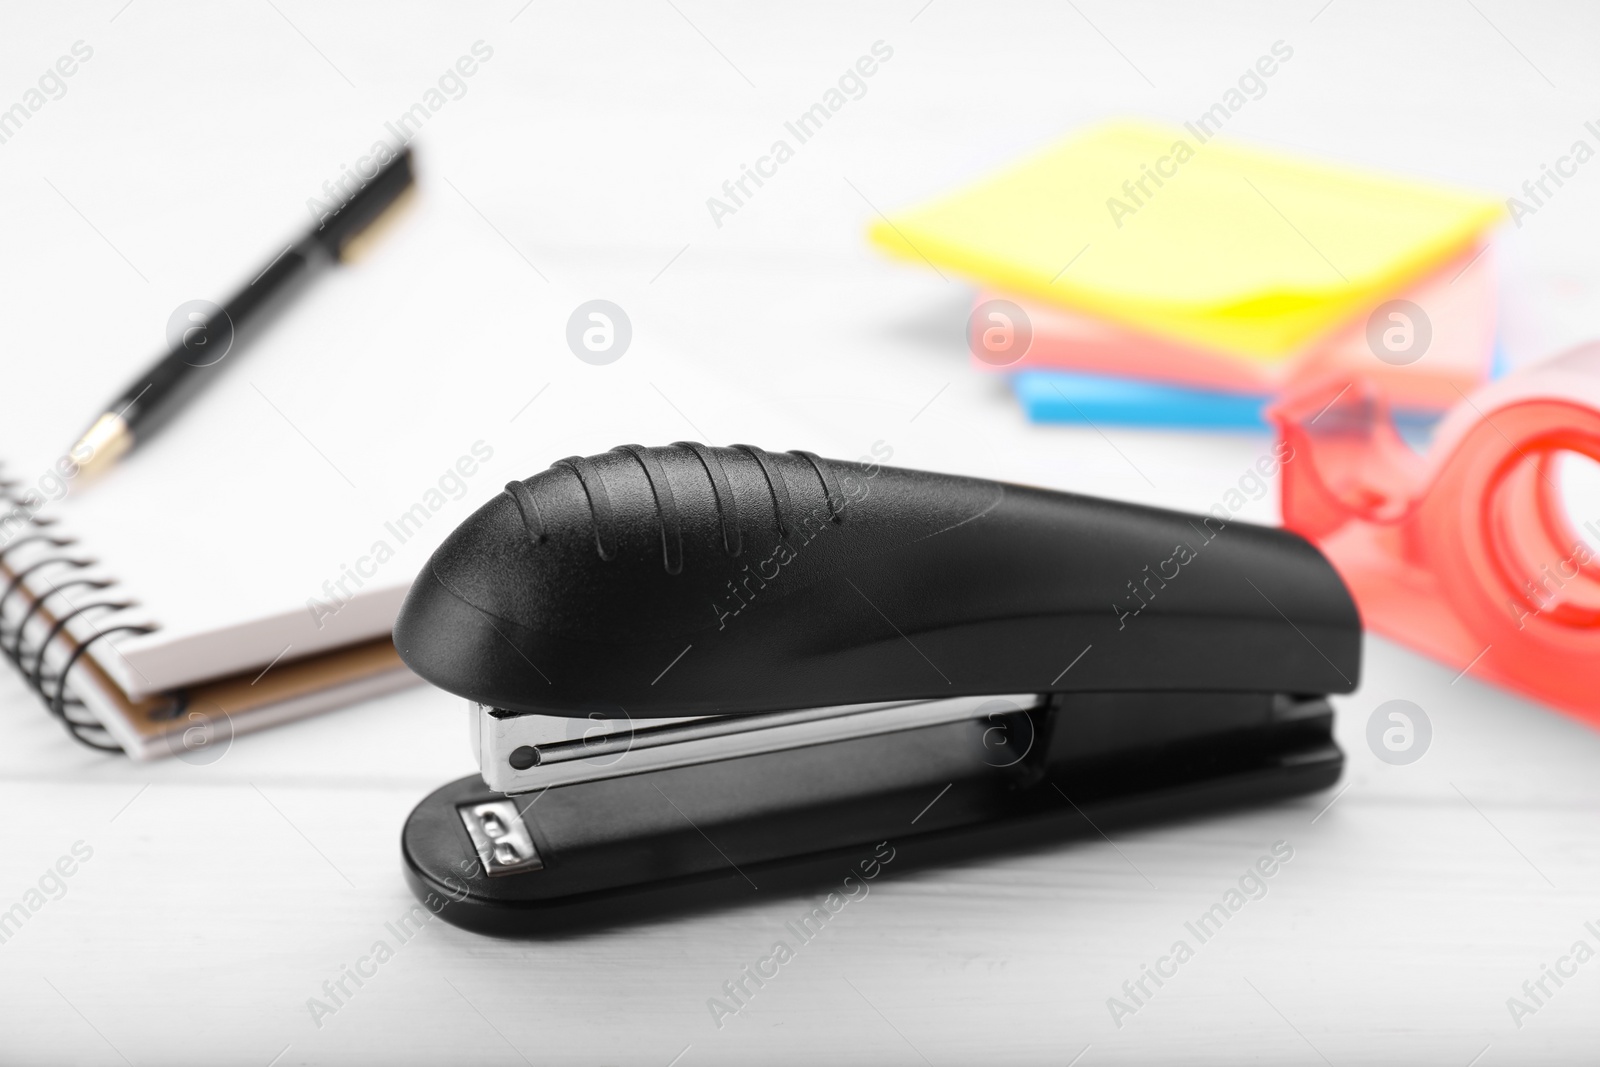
[688,664]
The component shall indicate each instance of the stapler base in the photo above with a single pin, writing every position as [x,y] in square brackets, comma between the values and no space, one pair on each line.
[630,848]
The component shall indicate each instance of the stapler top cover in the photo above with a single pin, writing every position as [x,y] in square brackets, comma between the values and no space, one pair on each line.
[688,580]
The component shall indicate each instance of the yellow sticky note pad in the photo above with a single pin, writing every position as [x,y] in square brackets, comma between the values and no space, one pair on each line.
[1206,241]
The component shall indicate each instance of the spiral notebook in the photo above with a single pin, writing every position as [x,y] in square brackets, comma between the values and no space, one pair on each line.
[246,565]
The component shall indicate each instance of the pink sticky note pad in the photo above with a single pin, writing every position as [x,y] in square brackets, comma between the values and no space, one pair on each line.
[1426,357]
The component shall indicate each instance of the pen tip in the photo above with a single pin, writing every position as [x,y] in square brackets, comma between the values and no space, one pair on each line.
[101,446]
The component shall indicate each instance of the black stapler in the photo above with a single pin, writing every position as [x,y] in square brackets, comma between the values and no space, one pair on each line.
[695,671]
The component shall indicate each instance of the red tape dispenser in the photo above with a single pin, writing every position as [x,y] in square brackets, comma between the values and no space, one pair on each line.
[1468,553]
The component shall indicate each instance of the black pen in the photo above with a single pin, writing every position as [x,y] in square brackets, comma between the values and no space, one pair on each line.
[201,334]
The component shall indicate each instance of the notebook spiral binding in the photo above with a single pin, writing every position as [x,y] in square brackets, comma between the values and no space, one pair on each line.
[29,659]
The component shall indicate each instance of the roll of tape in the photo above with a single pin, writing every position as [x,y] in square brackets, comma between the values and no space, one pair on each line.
[1470,553]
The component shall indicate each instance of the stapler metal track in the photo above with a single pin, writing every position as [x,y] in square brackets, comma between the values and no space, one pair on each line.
[689,666]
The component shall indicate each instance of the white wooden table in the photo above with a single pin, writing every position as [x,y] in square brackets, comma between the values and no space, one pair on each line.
[216,900]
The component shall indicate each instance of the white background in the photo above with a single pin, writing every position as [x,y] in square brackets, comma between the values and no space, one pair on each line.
[220,897]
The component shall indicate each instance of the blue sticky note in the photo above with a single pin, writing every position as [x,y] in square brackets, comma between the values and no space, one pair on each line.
[1105,399]
[1101,399]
